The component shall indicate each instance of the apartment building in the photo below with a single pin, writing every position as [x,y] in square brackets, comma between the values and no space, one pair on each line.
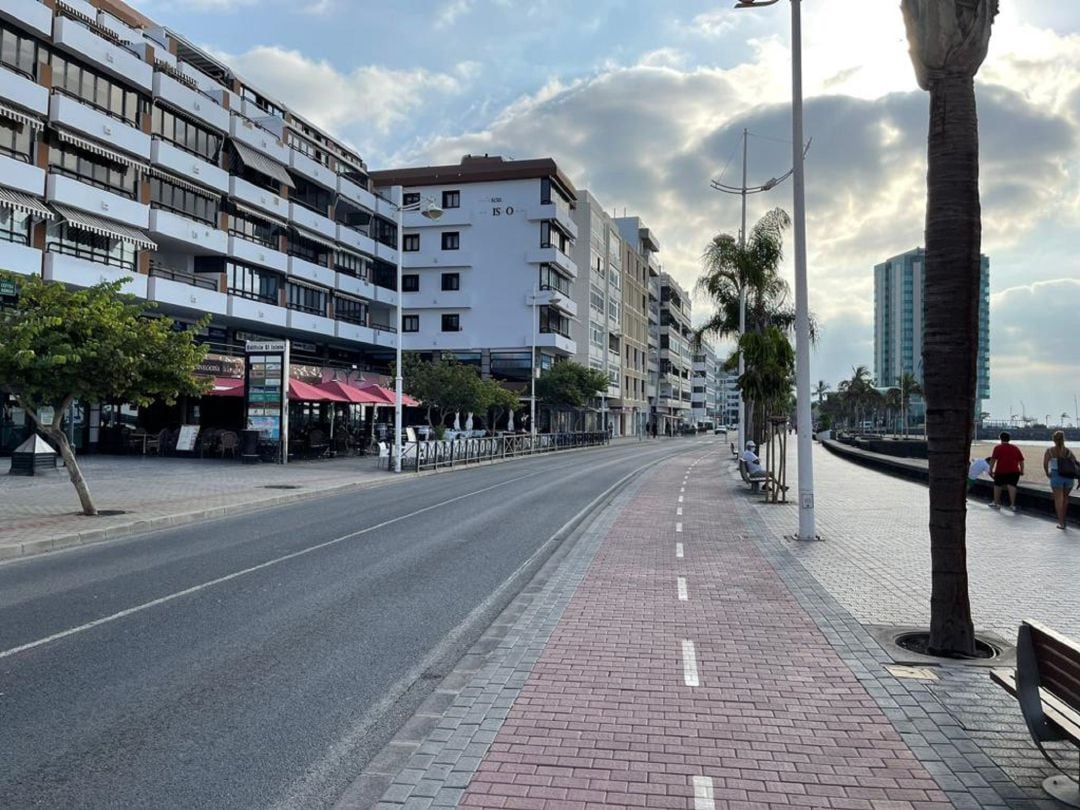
[127,152]
[727,394]
[703,390]
[644,246]
[638,245]
[898,322]
[676,360]
[492,277]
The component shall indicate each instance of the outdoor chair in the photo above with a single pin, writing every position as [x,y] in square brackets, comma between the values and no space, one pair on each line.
[230,443]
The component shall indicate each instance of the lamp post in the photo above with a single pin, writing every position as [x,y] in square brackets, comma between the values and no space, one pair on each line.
[802,311]
[429,209]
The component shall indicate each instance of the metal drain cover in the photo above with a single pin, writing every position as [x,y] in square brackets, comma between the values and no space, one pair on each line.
[916,673]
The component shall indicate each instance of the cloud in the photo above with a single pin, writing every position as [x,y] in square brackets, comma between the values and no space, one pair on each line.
[450,12]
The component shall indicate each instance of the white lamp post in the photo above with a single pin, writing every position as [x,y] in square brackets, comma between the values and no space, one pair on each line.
[802,312]
[429,209]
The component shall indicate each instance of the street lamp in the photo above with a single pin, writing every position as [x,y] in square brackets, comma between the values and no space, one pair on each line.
[802,311]
[428,208]
[534,299]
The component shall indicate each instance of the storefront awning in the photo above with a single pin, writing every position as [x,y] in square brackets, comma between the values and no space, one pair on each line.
[105,227]
[17,201]
[97,149]
[262,164]
[20,117]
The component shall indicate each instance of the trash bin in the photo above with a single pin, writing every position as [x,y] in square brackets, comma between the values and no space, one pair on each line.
[249,446]
[35,456]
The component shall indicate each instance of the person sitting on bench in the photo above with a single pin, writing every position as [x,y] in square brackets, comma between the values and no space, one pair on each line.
[753,463]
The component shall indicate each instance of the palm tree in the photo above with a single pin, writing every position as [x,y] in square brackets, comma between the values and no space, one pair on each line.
[894,404]
[820,390]
[948,42]
[909,386]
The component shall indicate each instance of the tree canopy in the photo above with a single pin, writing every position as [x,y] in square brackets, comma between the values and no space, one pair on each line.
[570,384]
[444,386]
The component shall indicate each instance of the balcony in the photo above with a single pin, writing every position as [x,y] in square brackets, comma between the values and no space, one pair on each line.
[259,255]
[353,192]
[68,191]
[197,237]
[22,176]
[560,213]
[259,139]
[437,258]
[560,343]
[451,218]
[181,295]
[74,115]
[559,300]
[386,253]
[312,170]
[260,312]
[385,208]
[442,299]
[354,332]
[186,165]
[20,91]
[386,296]
[552,256]
[80,41]
[354,286]
[312,221]
[300,268]
[190,102]
[306,322]
[21,259]
[259,198]
[83,273]
[355,239]
[31,14]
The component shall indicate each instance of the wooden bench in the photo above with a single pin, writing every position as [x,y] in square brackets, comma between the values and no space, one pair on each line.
[755,480]
[1046,683]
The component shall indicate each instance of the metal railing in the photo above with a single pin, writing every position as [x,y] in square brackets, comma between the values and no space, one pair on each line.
[434,455]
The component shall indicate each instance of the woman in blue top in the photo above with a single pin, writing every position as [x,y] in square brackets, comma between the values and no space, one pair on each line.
[1059,484]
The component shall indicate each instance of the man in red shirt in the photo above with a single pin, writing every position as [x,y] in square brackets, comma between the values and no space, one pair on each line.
[1006,465]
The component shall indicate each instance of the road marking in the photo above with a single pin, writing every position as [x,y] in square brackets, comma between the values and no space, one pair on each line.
[681,585]
[682,489]
[678,526]
[236,574]
[678,510]
[678,551]
[680,499]
[704,798]
[689,663]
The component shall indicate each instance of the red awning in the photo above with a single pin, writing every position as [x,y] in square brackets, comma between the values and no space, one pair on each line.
[387,396]
[350,393]
[298,391]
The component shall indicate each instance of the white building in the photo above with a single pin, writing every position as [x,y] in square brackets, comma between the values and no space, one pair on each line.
[493,275]
[727,395]
[703,393]
[643,331]
[676,361]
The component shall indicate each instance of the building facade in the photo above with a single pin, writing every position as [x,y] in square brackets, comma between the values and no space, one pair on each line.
[703,393]
[727,395]
[128,153]
[899,285]
[676,360]
[492,278]
[640,248]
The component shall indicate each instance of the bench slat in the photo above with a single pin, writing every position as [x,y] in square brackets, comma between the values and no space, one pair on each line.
[1059,665]
[1059,714]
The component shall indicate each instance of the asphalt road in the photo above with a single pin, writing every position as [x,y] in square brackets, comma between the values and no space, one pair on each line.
[261,660]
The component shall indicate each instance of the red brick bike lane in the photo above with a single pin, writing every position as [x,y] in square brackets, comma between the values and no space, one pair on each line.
[684,674]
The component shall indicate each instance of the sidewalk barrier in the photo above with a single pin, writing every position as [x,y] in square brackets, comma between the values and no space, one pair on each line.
[433,455]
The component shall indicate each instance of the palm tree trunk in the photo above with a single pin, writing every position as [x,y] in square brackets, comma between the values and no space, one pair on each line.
[953,241]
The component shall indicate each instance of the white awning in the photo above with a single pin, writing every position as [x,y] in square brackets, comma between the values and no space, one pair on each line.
[20,117]
[98,149]
[262,164]
[185,184]
[311,236]
[17,201]
[105,227]
[258,213]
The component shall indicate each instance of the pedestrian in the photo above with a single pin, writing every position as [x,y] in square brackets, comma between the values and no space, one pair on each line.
[1060,466]
[1007,466]
[979,467]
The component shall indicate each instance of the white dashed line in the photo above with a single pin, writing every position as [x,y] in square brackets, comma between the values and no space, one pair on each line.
[689,663]
[678,526]
[704,798]
[681,584]
[682,489]
[678,551]
[680,499]
[678,510]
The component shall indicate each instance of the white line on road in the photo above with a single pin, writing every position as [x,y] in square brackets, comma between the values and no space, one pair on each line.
[678,551]
[678,526]
[682,489]
[680,499]
[235,575]
[678,510]
[689,663]
[680,583]
[704,798]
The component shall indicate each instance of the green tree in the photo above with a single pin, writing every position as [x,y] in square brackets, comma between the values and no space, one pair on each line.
[770,372]
[570,384]
[443,385]
[948,43]
[497,401]
[909,387]
[93,345]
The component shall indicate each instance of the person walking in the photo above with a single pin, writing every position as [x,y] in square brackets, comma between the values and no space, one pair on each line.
[1006,466]
[1060,466]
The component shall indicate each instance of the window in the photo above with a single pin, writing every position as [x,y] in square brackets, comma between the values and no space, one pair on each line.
[254,229]
[410,242]
[307,249]
[17,51]
[410,198]
[551,280]
[451,240]
[107,95]
[92,169]
[451,281]
[182,200]
[14,226]
[350,310]
[553,321]
[410,323]
[410,282]
[311,196]
[306,299]
[351,265]
[251,282]
[94,247]
[309,149]
[16,140]
[451,322]
[261,102]
[451,199]
[382,230]
[551,236]
[185,134]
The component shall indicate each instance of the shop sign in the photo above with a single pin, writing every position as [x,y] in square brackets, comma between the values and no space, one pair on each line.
[264,346]
[8,289]
[220,365]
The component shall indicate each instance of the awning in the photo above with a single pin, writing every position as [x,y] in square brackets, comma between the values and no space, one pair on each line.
[258,213]
[20,117]
[185,184]
[17,201]
[105,227]
[262,164]
[98,149]
[314,237]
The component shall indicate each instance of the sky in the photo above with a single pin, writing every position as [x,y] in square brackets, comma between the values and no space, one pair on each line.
[643,103]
